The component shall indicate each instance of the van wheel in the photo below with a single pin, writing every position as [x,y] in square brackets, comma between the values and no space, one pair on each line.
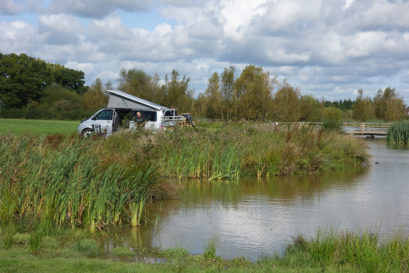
[86,132]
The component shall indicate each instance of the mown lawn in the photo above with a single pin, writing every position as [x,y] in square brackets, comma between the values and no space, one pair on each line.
[37,127]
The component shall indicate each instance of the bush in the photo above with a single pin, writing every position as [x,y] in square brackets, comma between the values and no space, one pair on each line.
[331,118]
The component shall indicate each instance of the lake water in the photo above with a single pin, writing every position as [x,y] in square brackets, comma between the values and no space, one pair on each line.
[254,217]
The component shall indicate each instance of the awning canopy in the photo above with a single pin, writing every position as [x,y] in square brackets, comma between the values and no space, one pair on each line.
[119,99]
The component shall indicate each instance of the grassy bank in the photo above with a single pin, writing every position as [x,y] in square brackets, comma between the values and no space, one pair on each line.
[37,127]
[74,251]
[100,182]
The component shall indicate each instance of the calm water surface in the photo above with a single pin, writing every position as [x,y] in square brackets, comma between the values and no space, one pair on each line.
[253,218]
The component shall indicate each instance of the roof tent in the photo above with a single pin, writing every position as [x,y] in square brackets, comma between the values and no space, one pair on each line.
[119,99]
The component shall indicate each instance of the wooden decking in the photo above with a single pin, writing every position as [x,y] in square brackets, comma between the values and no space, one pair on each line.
[367,129]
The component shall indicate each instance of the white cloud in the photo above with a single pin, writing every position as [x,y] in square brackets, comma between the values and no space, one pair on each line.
[322,46]
[60,29]
[18,37]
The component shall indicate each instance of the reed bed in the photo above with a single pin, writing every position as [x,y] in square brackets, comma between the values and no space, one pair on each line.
[64,181]
[398,134]
[98,182]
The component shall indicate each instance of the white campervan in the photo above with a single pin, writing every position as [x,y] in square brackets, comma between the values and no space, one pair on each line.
[122,111]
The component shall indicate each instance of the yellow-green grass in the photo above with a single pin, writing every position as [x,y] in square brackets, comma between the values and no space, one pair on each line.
[37,127]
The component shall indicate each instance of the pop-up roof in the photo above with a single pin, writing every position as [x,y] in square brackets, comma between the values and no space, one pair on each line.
[119,99]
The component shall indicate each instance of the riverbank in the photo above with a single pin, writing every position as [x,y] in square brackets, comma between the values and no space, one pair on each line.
[74,251]
[98,182]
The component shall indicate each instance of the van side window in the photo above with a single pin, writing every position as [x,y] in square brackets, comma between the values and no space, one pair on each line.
[146,115]
[149,115]
[104,115]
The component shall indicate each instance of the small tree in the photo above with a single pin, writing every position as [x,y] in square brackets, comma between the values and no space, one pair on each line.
[363,109]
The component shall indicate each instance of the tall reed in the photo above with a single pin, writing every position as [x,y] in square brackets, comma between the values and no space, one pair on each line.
[398,134]
[69,183]
[99,182]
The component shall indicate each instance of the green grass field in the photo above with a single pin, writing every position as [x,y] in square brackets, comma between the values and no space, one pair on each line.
[37,127]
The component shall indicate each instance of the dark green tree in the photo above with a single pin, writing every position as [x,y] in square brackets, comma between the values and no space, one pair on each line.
[22,79]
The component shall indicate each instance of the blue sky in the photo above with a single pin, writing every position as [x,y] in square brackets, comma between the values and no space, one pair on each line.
[327,48]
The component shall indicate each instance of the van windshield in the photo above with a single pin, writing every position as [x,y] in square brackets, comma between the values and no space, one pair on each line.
[104,115]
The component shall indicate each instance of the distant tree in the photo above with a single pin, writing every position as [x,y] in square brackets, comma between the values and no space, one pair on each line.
[287,105]
[95,97]
[213,98]
[388,106]
[331,118]
[68,78]
[227,92]
[363,108]
[177,93]
[138,83]
[22,79]
[56,103]
[253,93]
[310,109]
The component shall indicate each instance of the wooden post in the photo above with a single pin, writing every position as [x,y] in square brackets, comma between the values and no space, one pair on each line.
[362,128]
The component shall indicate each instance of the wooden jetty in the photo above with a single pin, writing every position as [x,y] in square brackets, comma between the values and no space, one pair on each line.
[366,129]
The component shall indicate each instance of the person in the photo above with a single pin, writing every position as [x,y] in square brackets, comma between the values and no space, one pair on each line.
[140,121]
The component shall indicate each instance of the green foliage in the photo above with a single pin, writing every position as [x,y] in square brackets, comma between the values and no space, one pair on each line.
[24,79]
[310,109]
[341,104]
[56,103]
[331,118]
[94,99]
[398,134]
[287,104]
[386,106]
[253,94]
[136,210]
[174,93]
[68,78]
[210,250]
[363,108]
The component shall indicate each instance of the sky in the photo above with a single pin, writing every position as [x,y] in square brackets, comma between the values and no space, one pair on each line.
[326,48]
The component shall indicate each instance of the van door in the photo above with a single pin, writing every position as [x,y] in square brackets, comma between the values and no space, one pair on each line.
[103,121]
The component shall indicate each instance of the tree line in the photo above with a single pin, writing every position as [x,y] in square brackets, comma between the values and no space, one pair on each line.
[255,95]
[32,88]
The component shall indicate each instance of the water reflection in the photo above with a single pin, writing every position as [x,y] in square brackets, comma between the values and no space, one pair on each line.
[259,217]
